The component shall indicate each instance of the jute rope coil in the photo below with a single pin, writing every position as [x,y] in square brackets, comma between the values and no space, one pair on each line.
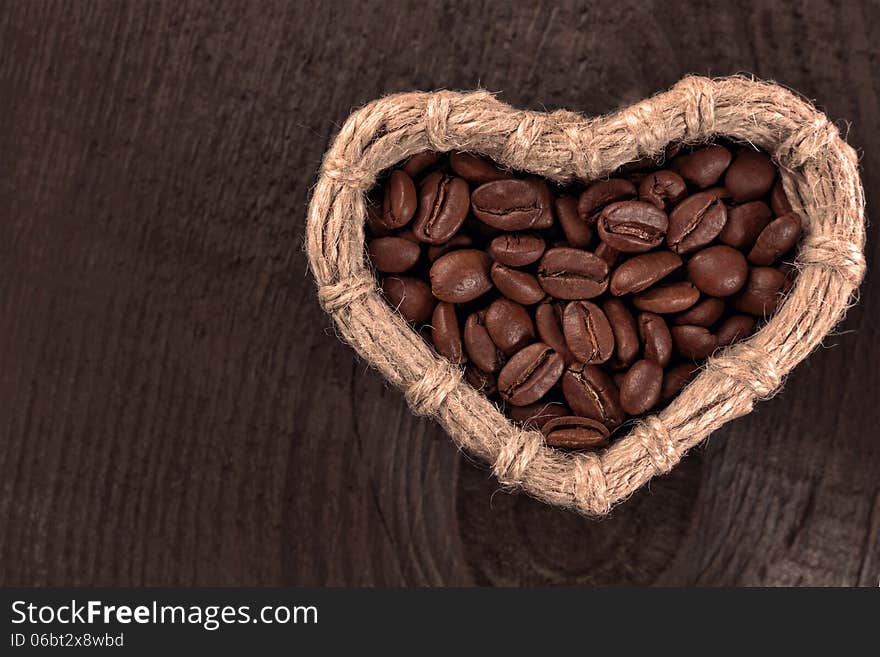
[820,177]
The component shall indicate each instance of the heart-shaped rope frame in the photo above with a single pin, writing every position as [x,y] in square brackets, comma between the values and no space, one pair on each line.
[820,176]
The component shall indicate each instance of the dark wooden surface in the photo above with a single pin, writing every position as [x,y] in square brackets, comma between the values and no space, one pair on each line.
[174,408]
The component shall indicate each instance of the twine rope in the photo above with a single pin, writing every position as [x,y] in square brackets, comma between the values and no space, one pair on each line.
[820,176]
[427,395]
[516,455]
[334,297]
[658,444]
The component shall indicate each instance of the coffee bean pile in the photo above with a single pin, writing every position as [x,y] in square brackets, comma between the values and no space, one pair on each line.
[577,308]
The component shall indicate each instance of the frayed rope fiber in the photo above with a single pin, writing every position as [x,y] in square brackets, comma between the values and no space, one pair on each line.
[820,176]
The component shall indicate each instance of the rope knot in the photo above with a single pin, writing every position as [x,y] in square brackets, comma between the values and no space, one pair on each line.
[661,449]
[590,486]
[579,139]
[437,121]
[518,148]
[839,256]
[342,294]
[807,142]
[699,108]
[515,456]
[750,368]
[585,158]
[647,128]
[347,174]
[428,394]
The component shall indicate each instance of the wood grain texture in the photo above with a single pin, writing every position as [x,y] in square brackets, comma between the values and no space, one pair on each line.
[176,410]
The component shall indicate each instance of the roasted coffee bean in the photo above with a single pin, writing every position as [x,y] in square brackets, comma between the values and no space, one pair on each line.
[632,226]
[591,393]
[530,374]
[705,313]
[374,222]
[410,296]
[516,285]
[664,189]
[484,382]
[640,389]
[779,201]
[750,176]
[671,298]
[446,335]
[548,319]
[478,344]
[517,249]
[575,432]
[642,271]
[509,325]
[491,229]
[676,378]
[718,271]
[704,167]
[475,169]
[408,235]
[400,200]
[626,335]
[744,223]
[587,332]
[567,273]
[761,294]
[443,204]
[696,221]
[535,416]
[461,276]
[393,255]
[421,161]
[460,241]
[607,253]
[777,238]
[599,194]
[513,204]
[577,231]
[694,342]
[656,338]
[735,327]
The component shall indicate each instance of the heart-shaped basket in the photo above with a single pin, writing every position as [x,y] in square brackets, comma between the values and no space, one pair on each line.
[820,177]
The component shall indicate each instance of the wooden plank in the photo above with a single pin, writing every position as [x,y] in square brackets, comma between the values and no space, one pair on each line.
[175,408]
